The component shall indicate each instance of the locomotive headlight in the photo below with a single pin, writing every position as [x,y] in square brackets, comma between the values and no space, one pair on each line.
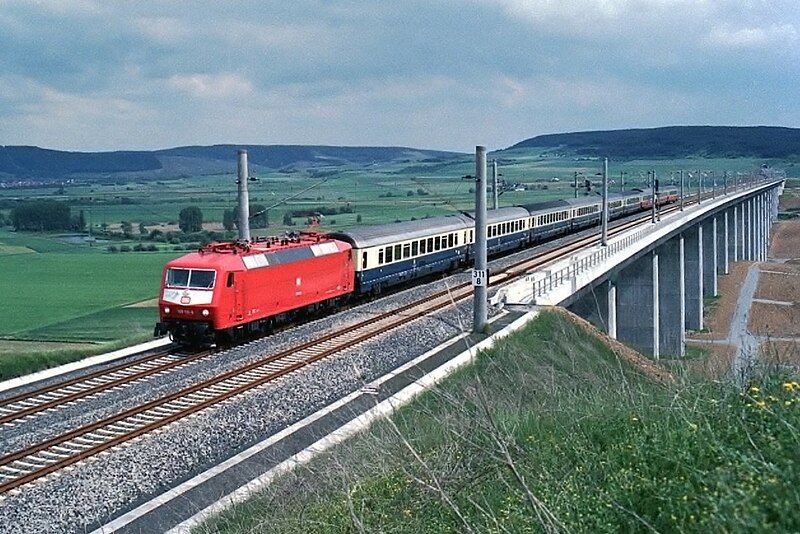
[166,309]
[205,313]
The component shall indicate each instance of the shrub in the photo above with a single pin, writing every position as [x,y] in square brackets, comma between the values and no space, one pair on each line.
[112,249]
[124,248]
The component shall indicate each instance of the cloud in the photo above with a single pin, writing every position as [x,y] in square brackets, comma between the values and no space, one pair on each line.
[753,37]
[211,85]
[447,74]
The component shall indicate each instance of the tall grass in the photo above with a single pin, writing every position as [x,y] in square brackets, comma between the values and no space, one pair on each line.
[549,431]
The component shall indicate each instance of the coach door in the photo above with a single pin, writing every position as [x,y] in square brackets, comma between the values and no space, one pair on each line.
[236,280]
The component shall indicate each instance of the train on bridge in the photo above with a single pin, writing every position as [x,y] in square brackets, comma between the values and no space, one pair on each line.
[230,291]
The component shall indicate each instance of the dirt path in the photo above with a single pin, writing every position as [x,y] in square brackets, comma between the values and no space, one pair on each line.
[747,344]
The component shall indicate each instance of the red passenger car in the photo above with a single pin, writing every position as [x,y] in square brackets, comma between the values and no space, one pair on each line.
[227,291]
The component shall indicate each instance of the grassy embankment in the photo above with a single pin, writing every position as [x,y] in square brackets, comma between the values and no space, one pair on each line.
[551,431]
[62,302]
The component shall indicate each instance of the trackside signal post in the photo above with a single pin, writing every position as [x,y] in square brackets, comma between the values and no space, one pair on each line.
[244,200]
[480,275]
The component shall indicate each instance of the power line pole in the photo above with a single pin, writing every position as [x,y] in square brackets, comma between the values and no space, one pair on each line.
[575,183]
[604,238]
[244,199]
[480,276]
[700,190]
[653,199]
[494,184]
[681,189]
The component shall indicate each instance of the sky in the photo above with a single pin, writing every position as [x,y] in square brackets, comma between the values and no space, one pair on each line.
[440,74]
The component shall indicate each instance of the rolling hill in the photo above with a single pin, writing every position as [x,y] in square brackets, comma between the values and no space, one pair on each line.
[30,162]
[675,142]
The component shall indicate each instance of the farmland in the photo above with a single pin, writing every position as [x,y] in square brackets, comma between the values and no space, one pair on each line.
[66,289]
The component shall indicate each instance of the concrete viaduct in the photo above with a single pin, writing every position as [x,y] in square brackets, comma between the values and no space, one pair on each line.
[646,287]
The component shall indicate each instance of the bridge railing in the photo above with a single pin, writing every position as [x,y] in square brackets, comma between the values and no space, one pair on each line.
[570,272]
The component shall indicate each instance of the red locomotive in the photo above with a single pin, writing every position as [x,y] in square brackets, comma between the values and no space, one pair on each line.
[228,291]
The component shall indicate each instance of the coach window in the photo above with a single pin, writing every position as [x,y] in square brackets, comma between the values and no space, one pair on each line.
[423,249]
[436,243]
[430,245]
[450,240]
[230,280]
[364,260]
[415,248]
[380,257]
[389,257]
[406,250]
[398,251]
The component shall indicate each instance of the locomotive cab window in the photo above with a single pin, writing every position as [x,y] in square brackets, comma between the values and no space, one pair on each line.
[191,278]
[202,279]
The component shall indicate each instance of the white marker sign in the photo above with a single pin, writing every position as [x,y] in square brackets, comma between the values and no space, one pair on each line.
[479,277]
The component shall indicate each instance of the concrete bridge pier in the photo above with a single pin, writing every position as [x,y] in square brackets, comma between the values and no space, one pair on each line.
[693,279]
[734,241]
[637,295]
[749,229]
[742,238]
[762,220]
[672,298]
[599,307]
[759,229]
[765,216]
[751,226]
[723,243]
[710,257]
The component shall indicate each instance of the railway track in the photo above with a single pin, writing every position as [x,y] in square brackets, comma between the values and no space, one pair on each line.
[52,455]
[23,406]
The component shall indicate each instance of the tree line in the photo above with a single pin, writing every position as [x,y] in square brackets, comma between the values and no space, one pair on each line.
[46,215]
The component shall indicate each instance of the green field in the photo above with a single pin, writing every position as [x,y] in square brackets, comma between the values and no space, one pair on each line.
[46,289]
[365,188]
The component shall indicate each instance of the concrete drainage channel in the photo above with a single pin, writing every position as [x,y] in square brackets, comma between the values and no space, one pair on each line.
[190,503]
